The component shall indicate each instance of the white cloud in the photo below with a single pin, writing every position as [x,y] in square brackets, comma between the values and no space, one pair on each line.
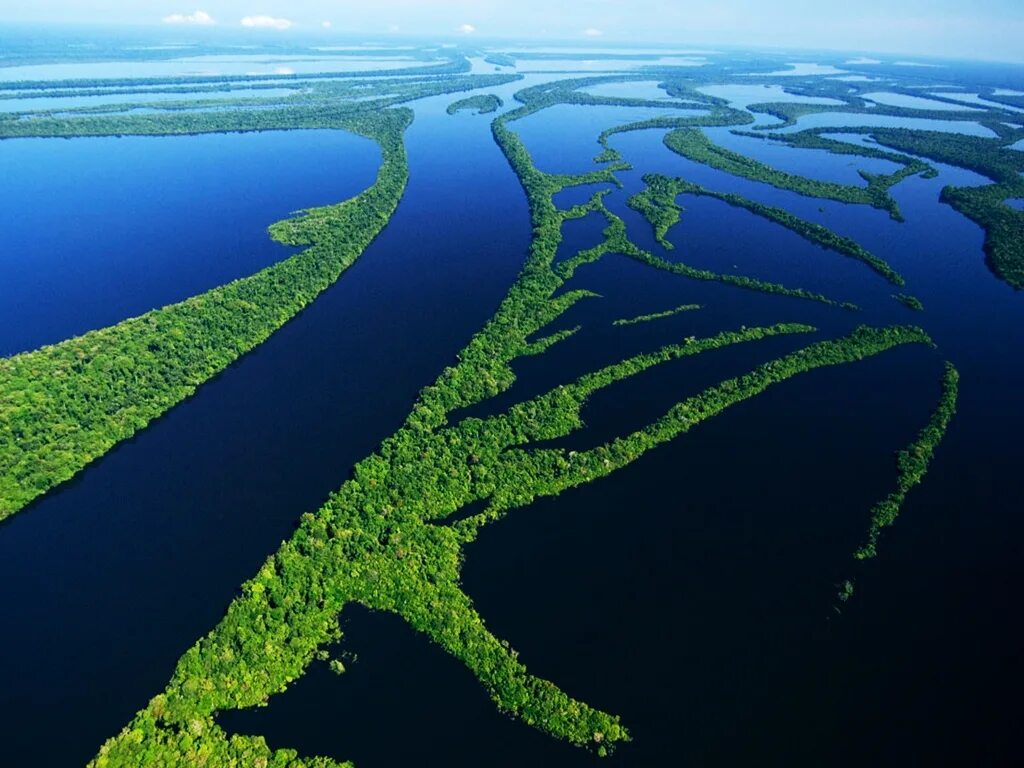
[393,28]
[199,18]
[591,32]
[266,22]
[326,24]
[863,60]
[465,29]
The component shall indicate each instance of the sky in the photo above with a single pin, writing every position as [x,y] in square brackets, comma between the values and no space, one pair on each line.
[972,29]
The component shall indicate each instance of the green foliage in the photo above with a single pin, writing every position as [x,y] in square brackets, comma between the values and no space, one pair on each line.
[657,315]
[607,155]
[381,539]
[911,302]
[657,203]
[390,537]
[453,66]
[483,103]
[912,463]
[376,542]
[500,59]
[324,106]
[845,591]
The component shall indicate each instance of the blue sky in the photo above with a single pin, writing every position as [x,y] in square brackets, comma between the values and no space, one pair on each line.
[982,29]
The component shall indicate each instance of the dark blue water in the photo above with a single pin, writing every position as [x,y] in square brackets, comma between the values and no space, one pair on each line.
[563,138]
[66,102]
[810,163]
[691,593]
[139,556]
[711,631]
[839,120]
[100,229]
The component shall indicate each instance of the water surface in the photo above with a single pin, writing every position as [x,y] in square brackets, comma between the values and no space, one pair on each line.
[101,229]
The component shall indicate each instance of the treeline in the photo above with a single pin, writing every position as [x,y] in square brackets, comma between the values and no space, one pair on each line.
[910,302]
[77,93]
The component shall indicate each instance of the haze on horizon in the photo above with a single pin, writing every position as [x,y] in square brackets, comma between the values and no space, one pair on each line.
[983,29]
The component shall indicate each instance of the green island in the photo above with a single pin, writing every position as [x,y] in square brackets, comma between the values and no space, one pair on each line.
[912,463]
[381,541]
[617,241]
[911,302]
[319,108]
[657,315]
[538,98]
[911,466]
[991,157]
[483,104]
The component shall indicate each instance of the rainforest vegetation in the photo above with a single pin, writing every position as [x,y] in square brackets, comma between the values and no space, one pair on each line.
[374,543]
[390,538]
[656,315]
[912,463]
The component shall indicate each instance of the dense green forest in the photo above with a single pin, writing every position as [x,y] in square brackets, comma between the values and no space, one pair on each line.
[379,541]
[384,539]
[656,315]
[912,463]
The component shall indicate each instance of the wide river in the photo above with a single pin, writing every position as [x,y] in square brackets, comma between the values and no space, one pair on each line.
[692,592]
